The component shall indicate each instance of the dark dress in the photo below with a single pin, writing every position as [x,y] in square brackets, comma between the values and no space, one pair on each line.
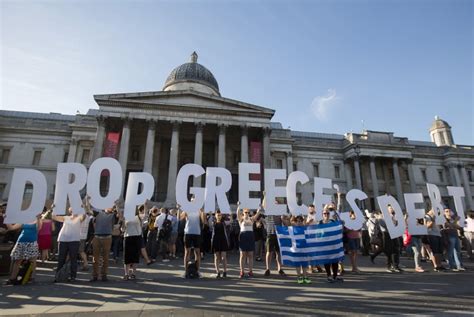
[220,241]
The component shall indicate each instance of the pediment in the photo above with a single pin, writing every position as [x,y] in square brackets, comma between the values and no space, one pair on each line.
[192,100]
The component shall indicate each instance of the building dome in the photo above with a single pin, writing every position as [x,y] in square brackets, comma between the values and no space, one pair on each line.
[192,76]
[438,123]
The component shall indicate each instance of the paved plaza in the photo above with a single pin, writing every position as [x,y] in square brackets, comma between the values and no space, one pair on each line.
[159,291]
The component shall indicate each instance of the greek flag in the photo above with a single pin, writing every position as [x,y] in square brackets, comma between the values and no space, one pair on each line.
[311,245]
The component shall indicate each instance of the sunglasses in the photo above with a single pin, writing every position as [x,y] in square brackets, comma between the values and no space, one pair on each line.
[325,213]
[246,213]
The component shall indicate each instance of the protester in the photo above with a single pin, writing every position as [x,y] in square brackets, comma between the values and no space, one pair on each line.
[434,238]
[26,248]
[132,245]
[234,232]
[220,245]
[272,247]
[174,234]
[45,234]
[192,237]
[246,239]
[353,244]
[331,267]
[259,232]
[469,234]
[68,241]
[450,232]
[85,225]
[301,271]
[152,239]
[164,225]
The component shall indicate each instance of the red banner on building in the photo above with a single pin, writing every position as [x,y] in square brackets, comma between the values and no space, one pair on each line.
[255,157]
[110,147]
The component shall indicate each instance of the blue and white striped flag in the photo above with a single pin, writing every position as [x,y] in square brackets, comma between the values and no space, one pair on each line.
[311,245]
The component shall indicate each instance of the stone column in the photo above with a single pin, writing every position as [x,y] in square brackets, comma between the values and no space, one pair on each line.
[244,145]
[267,160]
[467,188]
[398,184]
[173,166]
[100,136]
[124,145]
[289,162]
[150,147]
[456,176]
[373,177]
[357,173]
[71,157]
[198,152]
[348,171]
[411,174]
[221,147]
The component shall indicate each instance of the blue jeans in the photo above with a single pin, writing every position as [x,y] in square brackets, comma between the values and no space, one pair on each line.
[416,247]
[454,252]
[116,241]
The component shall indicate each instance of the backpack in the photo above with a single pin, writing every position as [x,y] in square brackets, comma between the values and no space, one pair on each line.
[165,230]
[191,270]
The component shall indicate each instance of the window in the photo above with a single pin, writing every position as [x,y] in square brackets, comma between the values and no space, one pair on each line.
[85,156]
[470,175]
[423,174]
[279,164]
[65,157]
[441,176]
[28,193]
[407,175]
[316,170]
[441,137]
[36,158]
[295,166]
[5,155]
[337,171]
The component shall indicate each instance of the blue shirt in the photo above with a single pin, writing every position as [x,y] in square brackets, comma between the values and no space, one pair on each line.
[29,233]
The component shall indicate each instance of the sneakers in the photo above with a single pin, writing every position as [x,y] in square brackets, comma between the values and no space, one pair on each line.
[306,280]
[125,278]
[461,269]
[339,279]
[419,270]
[224,274]
[250,274]
[183,275]
[300,280]
[258,259]
[241,275]
[281,272]
[330,279]
[166,260]
[389,270]
[267,273]
[11,282]
[199,274]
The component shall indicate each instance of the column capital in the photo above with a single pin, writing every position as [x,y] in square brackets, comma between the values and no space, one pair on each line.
[101,119]
[266,131]
[289,153]
[452,165]
[152,123]
[199,126]
[74,141]
[244,129]
[175,124]
[126,120]
[222,128]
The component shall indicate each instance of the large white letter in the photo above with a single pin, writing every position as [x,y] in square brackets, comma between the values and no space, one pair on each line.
[436,205]
[133,198]
[272,191]
[351,196]
[321,199]
[246,185]
[414,214]
[294,178]
[66,189]
[397,230]
[15,198]
[191,207]
[458,193]
[214,191]
[115,182]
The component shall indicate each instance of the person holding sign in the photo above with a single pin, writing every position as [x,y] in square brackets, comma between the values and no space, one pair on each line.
[132,245]
[68,241]
[435,241]
[301,271]
[246,239]
[192,237]
[450,232]
[331,278]
[220,244]
[26,248]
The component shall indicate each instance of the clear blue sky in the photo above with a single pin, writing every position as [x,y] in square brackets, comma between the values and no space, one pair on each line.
[322,65]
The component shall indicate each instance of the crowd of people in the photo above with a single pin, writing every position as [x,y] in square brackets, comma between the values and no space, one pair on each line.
[161,234]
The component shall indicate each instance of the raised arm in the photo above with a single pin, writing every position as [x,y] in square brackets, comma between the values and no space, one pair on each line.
[239,212]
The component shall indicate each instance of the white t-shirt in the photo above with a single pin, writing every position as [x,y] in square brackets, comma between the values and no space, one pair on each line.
[71,230]
[133,227]
[193,224]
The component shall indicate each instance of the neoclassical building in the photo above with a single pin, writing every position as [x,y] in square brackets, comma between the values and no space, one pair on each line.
[189,121]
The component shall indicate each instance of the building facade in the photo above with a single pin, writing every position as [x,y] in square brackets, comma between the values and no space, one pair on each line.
[190,122]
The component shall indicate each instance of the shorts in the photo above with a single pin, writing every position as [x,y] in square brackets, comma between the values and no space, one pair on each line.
[271,245]
[436,244]
[192,241]
[353,244]
[172,238]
